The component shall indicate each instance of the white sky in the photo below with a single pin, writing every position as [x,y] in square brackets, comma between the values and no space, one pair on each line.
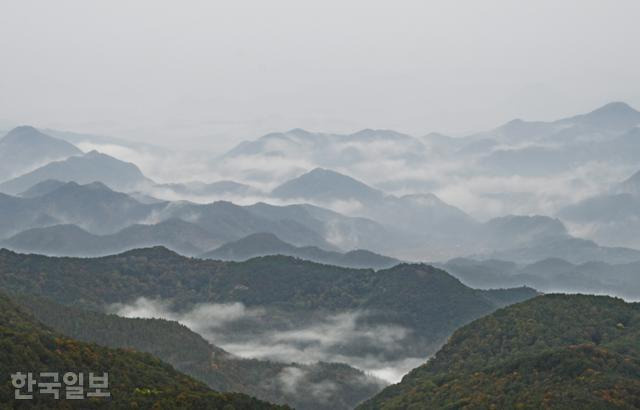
[209,73]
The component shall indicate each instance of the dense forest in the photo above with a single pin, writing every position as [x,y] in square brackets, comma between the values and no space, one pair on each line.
[190,353]
[428,301]
[136,380]
[553,351]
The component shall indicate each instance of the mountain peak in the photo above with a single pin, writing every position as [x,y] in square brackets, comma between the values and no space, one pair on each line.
[23,129]
[615,115]
[615,107]
[24,148]
[325,184]
[94,154]
[369,134]
[27,133]
[152,253]
[298,132]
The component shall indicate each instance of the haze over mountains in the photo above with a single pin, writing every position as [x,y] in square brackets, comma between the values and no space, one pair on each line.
[24,149]
[292,268]
[402,213]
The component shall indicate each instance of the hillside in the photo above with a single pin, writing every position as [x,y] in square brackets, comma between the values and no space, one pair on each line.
[554,351]
[280,298]
[136,380]
[190,353]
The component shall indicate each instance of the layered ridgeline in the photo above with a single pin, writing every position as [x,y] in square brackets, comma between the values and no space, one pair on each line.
[136,380]
[611,217]
[263,244]
[519,147]
[68,219]
[424,216]
[550,275]
[100,211]
[25,148]
[83,169]
[273,307]
[554,351]
[317,386]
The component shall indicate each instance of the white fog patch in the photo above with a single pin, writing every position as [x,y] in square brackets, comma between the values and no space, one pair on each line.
[292,378]
[393,371]
[201,318]
[335,338]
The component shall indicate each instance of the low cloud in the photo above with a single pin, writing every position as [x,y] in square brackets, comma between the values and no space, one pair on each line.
[347,337]
[201,318]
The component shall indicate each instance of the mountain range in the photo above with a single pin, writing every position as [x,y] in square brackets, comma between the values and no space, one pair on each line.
[25,148]
[263,244]
[83,169]
[100,211]
[278,294]
[106,222]
[550,275]
[417,212]
[283,278]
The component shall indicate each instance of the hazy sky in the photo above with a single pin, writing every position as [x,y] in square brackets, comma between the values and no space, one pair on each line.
[213,72]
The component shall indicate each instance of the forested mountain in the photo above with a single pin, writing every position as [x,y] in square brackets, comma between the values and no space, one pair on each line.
[263,244]
[553,351]
[417,306]
[136,380]
[318,386]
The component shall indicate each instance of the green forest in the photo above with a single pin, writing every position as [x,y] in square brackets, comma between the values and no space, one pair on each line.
[136,380]
[551,352]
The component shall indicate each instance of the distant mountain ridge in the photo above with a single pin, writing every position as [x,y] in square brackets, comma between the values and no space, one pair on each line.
[327,185]
[101,211]
[83,169]
[263,244]
[25,148]
[70,240]
[612,218]
[550,275]
[423,214]
[611,117]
